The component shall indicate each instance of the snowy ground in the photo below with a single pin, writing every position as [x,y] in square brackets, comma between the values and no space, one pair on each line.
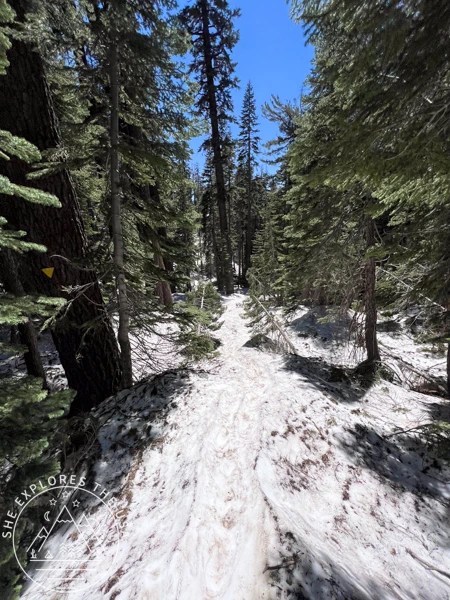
[259,479]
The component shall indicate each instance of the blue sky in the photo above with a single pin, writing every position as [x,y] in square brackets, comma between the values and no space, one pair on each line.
[271,53]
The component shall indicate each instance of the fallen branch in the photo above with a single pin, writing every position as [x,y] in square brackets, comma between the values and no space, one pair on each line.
[284,565]
[413,369]
[408,430]
[275,323]
[427,565]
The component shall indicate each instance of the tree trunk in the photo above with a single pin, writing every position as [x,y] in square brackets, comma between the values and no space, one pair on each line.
[373,354]
[116,223]
[448,368]
[248,245]
[27,332]
[151,197]
[83,334]
[225,274]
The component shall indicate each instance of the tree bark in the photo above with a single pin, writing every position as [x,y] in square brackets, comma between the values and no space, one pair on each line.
[249,229]
[27,332]
[116,222]
[448,368]
[83,334]
[370,333]
[225,275]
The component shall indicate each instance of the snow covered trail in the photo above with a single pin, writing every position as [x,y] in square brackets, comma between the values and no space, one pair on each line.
[212,537]
[260,483]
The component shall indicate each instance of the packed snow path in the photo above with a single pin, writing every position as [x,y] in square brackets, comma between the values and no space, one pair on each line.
[260,484]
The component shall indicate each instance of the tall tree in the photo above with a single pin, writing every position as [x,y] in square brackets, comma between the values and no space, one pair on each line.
[29,415]
[82,332]
[391,128]
[248,148]
[210,25]
[116,217]
[149,144]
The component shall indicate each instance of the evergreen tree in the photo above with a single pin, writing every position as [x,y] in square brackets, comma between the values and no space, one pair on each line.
[116,19]
[210,25]
[82,332]
[28,413]
[268,274]
[248,149]
[151,145]
[330,235]
[285,115]
[390,123]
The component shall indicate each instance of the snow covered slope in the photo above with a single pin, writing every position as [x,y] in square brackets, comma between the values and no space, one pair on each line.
[259,479]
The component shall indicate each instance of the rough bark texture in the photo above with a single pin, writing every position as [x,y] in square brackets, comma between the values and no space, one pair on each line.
[373,353]
[27,332]
[250,228]
[225,273]
[448,368]
[116,223]
[89,355]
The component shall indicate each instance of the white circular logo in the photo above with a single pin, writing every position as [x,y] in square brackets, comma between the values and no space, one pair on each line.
[76,530]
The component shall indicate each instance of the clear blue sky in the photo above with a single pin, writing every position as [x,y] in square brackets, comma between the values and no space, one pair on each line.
[271,53]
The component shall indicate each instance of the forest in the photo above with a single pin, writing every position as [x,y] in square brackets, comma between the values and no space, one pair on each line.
[245,344]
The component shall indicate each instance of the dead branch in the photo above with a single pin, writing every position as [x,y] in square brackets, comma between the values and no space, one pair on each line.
[427,565]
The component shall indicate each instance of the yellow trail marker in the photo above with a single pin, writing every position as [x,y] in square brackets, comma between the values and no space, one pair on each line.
[48,271]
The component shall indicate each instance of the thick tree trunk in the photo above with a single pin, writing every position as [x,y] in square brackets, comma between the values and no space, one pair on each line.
[116,222]
[27,332]
[370,330]
[225,275]
[83,334]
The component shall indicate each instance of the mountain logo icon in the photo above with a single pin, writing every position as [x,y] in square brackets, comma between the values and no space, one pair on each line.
[77,529]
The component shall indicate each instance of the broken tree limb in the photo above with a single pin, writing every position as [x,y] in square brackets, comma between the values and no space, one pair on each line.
[284,565]
[277,326]
[413,369]
[427,565]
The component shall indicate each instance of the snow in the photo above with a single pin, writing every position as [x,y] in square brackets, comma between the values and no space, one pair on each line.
[255,478]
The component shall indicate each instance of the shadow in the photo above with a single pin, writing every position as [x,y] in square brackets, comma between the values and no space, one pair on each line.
[308,574]
[404,461]
[389,326]
[104,447]
[440,411]
[325,323]
[337,383]
[413,462]
[130,423]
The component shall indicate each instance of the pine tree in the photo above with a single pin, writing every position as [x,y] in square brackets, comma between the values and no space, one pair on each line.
[117,17]
[330,235]
[285,115]
[269,271]
[210,25]
[28,413]
[391,128]
[152,132]
[248,149]
[82,332]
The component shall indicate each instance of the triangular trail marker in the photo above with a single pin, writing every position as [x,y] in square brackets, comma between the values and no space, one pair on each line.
[48,271]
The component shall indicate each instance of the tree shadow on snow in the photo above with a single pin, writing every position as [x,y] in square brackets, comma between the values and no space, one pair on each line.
[325,323]
[124,426]
[337,383]
[308,574]
[409,462]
